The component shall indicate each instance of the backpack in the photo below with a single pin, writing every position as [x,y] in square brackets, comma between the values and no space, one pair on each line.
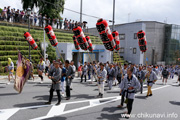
[165,73]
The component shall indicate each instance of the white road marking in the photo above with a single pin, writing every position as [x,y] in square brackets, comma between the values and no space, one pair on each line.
[7,113]
[59,110]
[55,110]
[93,103]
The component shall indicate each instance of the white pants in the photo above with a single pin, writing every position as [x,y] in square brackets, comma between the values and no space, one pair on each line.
[62,88]
[92,77]
[110,82]
[101,88]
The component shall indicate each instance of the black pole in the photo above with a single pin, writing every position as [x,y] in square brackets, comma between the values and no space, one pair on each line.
[113,15]
[29,32]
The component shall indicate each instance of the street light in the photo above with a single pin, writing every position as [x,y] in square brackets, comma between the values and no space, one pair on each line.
[29,13]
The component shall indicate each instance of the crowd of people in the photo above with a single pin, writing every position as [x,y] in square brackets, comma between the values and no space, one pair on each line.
[129,77]
[21,16]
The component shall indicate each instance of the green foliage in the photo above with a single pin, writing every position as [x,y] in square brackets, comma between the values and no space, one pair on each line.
[29,3]
[26,52]
[1,10]
[52,8]
[51,51]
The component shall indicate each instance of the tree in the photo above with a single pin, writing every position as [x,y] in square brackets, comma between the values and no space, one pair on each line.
[52,8]
[29,4]
[51,51]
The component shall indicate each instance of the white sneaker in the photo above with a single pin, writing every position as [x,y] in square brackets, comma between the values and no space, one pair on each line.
[41,82]
[62,95]
[8,83]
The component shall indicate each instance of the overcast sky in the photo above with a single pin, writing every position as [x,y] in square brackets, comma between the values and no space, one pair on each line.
[146,10]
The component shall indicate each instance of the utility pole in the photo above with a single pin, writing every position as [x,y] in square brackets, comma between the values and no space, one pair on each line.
[81,12]
[113,15]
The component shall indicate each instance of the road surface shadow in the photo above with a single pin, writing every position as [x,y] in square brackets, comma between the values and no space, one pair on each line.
[159,84]
[112,109]
[8,94]
[174,102]
[140,97]
[112,91]
[82,96]
[110,116]
[2,83]
[46,97]
[98,89]
[43,85]
[175,85]
[56,118]
[29,104]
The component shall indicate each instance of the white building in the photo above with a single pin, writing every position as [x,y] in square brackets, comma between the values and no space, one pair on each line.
[69,52]
[155,35]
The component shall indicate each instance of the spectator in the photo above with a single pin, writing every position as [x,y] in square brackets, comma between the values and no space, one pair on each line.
[40,19]
[14,18]
[80,71]
[10,69]
[4,13]
[54,22]
[11,16]
[72,24]
[44,20]
[8,14]
[22,16]
[76,23]
[25,17]
[69,23]
[35,18]
[17,15]
[57,20]
[49,21]
[61,21]
[31,18]
[79,24]
[65,23]
[84,26]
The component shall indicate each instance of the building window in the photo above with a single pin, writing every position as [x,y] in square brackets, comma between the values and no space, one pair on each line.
[121,50]
[122,36]
[135,35]
[134,50]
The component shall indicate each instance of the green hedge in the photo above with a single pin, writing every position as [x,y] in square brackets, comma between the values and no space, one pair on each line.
[37,34]
[26,52]
[13,47]
[12,38]
[22,43]
[15,57]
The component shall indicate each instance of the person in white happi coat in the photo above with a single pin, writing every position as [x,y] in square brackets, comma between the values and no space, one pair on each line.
[151,79]
[111,76]
[84,72]
[102,73]
[130,85]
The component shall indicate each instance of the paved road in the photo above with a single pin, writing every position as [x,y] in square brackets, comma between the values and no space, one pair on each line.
[84,105]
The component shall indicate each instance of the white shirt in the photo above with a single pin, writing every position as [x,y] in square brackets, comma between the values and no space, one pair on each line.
[47,62]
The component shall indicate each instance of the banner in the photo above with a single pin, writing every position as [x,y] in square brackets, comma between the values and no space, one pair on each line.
[22,73]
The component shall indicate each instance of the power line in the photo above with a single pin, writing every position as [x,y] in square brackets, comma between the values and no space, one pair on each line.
[74,11]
